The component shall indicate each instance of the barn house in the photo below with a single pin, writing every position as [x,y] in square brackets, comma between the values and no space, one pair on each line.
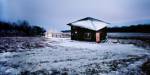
[88,29]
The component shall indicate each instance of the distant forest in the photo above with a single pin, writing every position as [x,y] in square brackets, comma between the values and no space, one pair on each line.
[23,28]
[140,28]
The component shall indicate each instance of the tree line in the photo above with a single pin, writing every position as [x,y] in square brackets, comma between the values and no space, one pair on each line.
[140,28]
[23,28]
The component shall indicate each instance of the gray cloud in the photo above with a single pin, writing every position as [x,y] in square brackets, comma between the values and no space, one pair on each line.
[55,14]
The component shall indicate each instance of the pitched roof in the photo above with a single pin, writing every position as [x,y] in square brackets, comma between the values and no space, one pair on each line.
[90,23]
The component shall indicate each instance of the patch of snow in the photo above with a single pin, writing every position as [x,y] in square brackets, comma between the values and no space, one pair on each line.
[76,57]
[90,23]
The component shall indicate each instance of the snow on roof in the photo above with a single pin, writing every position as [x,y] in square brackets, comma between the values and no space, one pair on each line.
[90,23]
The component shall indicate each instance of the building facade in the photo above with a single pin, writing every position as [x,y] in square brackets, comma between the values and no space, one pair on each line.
[89,29]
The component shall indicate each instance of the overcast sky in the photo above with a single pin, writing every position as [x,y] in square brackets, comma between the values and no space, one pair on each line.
[55,14]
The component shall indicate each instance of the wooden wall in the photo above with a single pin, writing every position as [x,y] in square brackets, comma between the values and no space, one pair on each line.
[78,33]
[103,33]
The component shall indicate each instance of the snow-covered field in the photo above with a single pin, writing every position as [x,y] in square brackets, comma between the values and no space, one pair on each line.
[62,56]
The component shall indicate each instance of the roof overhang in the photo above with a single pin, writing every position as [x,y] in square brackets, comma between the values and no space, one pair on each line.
[90,23]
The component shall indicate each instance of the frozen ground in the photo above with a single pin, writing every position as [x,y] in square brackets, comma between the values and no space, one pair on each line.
[53,56]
